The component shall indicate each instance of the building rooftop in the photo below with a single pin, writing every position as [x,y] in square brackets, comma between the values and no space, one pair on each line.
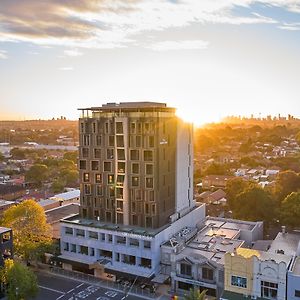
[108,107]
[286,243]
[264,256]
[67,195]
[4,229]
[5,202]
[58,213]
[114,227]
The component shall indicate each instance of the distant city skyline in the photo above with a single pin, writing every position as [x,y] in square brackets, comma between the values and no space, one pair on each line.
[209,59]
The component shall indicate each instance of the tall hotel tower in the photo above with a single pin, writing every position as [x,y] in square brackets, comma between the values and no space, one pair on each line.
[136,182]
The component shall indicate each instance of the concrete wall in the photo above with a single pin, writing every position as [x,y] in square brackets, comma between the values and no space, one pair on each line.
[184,166]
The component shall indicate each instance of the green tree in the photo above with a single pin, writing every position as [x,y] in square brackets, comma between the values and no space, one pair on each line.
[17,153]
[195,294]
[57,186]
[32,234]
[290,210]
[216,169]
[71,155]
[255,204]
[234,187]
[37,174]
[285,183]
[21,282]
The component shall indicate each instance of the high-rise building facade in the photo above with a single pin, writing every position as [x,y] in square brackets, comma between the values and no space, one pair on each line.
[136,177]
[135,162]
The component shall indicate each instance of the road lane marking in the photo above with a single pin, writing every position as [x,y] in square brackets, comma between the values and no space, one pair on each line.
[53,290]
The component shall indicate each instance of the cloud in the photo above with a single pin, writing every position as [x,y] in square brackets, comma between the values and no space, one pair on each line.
[179,45]
[3,54]
[66,69]
[290,26]
[73,52]
[117,23]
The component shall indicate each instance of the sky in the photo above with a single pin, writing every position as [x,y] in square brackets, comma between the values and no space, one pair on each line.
[207,58]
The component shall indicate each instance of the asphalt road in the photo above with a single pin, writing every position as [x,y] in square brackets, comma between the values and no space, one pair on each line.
[52,287]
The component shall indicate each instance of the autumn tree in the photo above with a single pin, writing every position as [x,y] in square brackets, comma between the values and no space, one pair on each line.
[20,282]
[290,210]
[32,234]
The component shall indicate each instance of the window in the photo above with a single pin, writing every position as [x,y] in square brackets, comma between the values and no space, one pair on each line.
[185,286]
[121,154]
[135,181]
[98,178]
[93,235]
[120,179]
[149,169]
[239,281]
[207,273]
[85,152]
[87,189]
[107,166]
[110,153]
[185,269]
[111,141]
[82,164]
[132,127]
[119,127]
[120,141]
[80,232]
[297,293]
[149,183]
[119,193]
[121,167]
[138,141]
[86,177]
[148,155]
[86,140]
[134,154]
[69,230]
[99,190]
[135,168]
[97,153]
[119,205]
[269,290]
[110,178]
[98,140]
[84,250]
[151,141]
[95,165]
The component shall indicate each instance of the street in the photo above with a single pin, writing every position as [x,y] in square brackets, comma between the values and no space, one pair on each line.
[52,287]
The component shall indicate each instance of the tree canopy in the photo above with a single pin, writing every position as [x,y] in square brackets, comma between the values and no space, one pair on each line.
[37,174]
[254,204]
[32,234]
[290,210]
[20,282]
[285,183]
[234,187]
